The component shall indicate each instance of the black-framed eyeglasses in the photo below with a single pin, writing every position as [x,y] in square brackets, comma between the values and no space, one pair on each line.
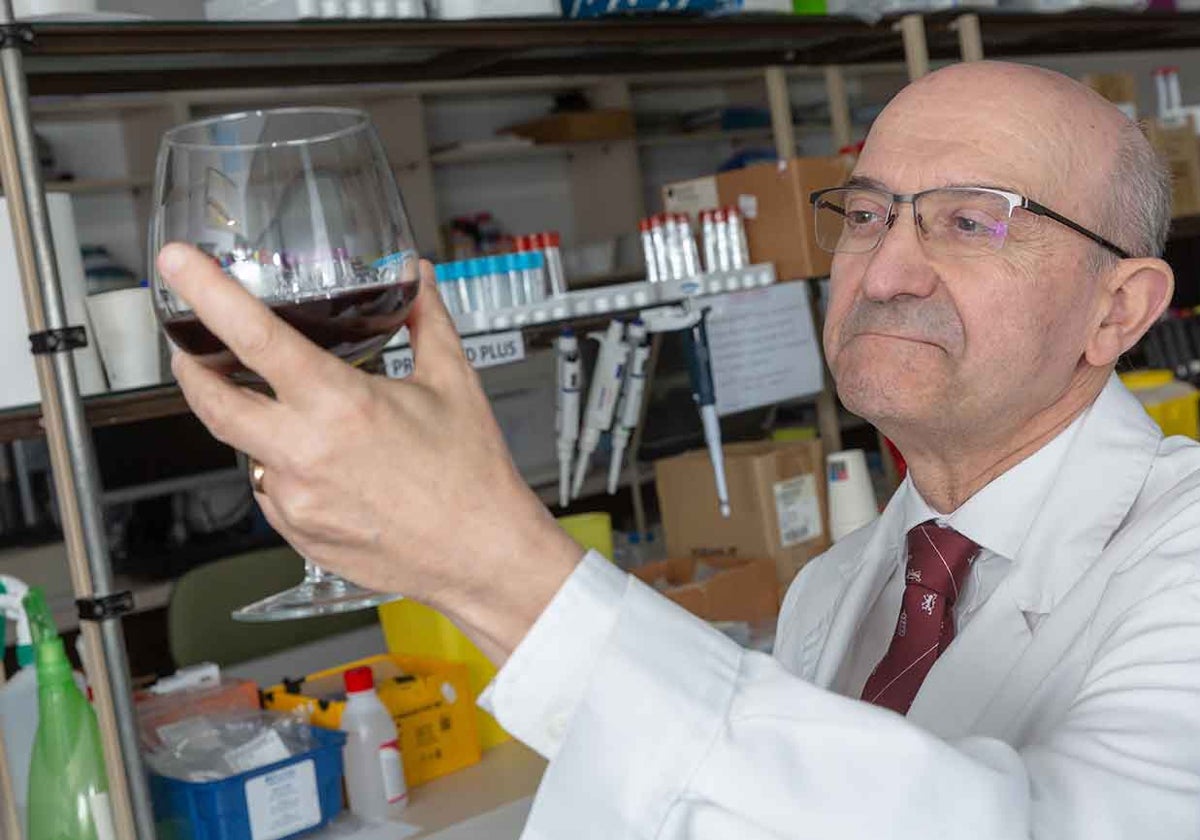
[951,221]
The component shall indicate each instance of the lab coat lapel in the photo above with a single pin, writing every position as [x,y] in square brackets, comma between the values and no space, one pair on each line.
[863,573]
[981,680]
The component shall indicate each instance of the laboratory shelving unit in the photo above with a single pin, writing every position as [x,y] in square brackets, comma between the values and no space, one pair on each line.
[113,60]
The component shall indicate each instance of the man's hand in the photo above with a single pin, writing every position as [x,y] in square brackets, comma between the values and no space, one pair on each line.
[400,486]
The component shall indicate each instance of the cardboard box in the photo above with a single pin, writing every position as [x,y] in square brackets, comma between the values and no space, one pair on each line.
[739,589]
[578,127]
[773,199]
[778,497]
[1118,88]
[1179,148]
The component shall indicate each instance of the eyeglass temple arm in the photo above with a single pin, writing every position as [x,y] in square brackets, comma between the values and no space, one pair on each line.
[1042,210]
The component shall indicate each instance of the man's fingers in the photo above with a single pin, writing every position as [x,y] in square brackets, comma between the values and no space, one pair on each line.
[263,342]
[243,419]
[435,342]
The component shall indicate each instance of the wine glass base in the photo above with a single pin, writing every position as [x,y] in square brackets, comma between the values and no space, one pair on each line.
[328,596]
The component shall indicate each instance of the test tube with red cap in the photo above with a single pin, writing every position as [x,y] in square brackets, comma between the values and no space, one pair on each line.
[658,236]
[708,236]
[550,244]
[645,228]
[739,251]
[687,245]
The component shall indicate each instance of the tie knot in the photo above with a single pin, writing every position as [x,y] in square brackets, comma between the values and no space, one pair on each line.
[938,559]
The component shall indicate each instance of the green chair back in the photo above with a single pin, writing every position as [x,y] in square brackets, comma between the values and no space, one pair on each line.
[199,626]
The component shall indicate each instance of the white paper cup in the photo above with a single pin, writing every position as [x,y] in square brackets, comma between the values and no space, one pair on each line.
[852,501]
[126,332]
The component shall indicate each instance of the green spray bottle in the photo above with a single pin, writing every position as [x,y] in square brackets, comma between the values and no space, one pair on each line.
[68,788]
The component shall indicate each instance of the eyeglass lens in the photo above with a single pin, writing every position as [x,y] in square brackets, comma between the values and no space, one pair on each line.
[952,222]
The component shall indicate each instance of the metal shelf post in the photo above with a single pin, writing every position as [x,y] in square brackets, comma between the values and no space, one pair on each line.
[72,457]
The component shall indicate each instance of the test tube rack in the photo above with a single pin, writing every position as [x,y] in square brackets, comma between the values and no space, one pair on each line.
[612,300]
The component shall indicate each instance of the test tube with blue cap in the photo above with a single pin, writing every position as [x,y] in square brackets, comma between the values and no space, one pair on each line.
[533,265]
[446,286]
[495,283]
[514,278]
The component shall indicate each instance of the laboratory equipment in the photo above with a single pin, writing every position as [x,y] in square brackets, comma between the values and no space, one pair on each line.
[629,406]
[296,205]
[534,272]
[497,283]
[514,274]
[68,786]
[473,291]
[690,319]
[566,414]
[374,772]
[602,396]
[19,696]
[739,249]
[708,237]
[689,255]
[647,237]
[550,245]
[447,286]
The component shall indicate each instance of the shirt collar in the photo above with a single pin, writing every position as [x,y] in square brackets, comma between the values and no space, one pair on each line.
[998,517]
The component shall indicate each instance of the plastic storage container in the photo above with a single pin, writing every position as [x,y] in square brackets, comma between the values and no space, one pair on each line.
[281,800]
[1174,405]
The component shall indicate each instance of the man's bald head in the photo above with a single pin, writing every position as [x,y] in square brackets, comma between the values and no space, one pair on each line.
[1096,165]
[970,357]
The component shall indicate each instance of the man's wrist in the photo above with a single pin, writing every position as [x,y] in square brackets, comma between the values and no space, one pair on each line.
[515,584]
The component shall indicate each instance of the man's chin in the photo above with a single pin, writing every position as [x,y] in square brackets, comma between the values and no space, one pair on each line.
[883,394]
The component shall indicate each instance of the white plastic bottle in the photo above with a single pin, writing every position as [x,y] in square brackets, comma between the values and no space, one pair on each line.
[374,772]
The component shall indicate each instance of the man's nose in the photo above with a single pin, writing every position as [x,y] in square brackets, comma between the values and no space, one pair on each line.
[899,265]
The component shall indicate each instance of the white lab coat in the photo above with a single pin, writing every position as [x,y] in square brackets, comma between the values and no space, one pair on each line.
[659,727]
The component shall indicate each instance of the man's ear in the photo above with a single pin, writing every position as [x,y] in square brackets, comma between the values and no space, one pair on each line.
[1137,292]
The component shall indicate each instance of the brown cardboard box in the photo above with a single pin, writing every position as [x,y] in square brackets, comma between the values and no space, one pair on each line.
[1118,88]
[740,590]
[578,126]
[1178,146]
[778,495]
[773,199]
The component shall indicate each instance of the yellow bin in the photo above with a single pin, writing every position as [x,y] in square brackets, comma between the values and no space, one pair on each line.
[413,629]
[1174,405]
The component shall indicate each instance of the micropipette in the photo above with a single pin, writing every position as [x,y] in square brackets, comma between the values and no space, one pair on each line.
[695,333]
[705,394]
[566,416]
[629,407]
[602,396]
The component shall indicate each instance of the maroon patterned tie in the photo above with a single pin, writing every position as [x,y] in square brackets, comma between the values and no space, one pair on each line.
[938,561]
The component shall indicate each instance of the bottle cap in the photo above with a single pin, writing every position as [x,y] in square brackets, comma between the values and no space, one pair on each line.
[359,679]
[535,259]
[439,272]
[554,239]
[494,265]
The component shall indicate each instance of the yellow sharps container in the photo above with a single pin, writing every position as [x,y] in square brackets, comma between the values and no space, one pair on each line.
[413,629]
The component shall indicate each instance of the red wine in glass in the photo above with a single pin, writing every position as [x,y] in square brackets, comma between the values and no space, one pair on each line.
[352,323]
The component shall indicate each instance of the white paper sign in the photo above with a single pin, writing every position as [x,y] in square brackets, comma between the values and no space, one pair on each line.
[482,351]
[764,347]
[283,802]
[798,510]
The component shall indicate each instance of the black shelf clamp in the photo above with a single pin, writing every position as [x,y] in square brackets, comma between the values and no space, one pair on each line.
[57,341]
[106,607]
[16,35]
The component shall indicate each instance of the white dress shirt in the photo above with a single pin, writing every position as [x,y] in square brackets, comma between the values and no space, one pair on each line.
[996,518]
[1067,707]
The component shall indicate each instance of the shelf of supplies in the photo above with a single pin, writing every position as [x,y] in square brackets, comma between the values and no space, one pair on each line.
[717,135]
[71,58]
[613,300]
[510,151]
[101,410]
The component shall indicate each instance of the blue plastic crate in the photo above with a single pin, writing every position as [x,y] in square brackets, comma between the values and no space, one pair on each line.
[282,800]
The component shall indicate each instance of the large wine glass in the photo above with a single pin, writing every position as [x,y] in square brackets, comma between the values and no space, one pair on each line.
[298,205]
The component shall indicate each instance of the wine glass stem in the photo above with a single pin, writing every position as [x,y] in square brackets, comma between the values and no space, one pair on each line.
[314,574]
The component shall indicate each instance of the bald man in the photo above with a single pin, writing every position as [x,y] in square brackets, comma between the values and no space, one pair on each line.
[1011,650]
